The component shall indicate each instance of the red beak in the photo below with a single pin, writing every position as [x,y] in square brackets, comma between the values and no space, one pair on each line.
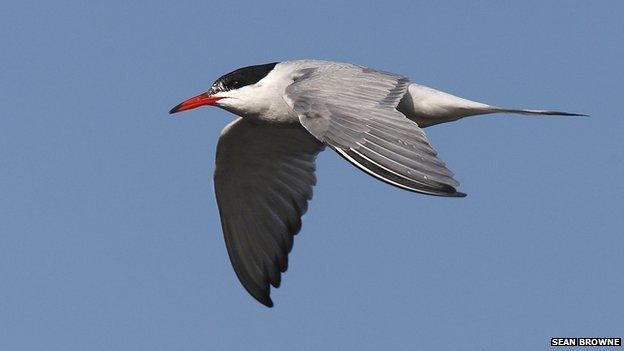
[196,101]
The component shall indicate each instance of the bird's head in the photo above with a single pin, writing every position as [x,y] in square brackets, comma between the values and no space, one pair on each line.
[233,91]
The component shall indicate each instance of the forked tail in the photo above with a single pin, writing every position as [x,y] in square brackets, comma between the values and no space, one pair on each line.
[427,106]
[536,112]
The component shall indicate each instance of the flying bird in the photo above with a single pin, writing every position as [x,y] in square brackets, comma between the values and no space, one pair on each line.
[289,112]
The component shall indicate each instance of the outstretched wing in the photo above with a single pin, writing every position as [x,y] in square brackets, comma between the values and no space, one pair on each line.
[353,109]
[263,180]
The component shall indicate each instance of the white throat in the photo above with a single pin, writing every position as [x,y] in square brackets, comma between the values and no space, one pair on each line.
[263,101]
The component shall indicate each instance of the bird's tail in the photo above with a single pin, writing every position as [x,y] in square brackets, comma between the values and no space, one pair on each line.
[427,106]
[534,112]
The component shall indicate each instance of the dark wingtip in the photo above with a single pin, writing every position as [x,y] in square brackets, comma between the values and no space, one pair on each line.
[267,302]
[262,295]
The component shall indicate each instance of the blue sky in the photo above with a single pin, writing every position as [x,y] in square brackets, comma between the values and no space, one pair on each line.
[109,232]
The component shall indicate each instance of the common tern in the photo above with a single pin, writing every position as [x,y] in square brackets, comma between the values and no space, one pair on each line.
[289,111]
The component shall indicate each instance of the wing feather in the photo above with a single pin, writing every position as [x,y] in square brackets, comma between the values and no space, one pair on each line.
[263,179]
[353,109]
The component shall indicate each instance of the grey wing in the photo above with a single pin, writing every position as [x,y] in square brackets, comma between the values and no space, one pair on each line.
[263,180]
[353,109]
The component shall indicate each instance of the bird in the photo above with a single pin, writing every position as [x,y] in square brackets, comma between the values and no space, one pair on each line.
[290,111]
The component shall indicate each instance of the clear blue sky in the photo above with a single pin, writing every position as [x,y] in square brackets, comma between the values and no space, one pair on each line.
[109,232]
